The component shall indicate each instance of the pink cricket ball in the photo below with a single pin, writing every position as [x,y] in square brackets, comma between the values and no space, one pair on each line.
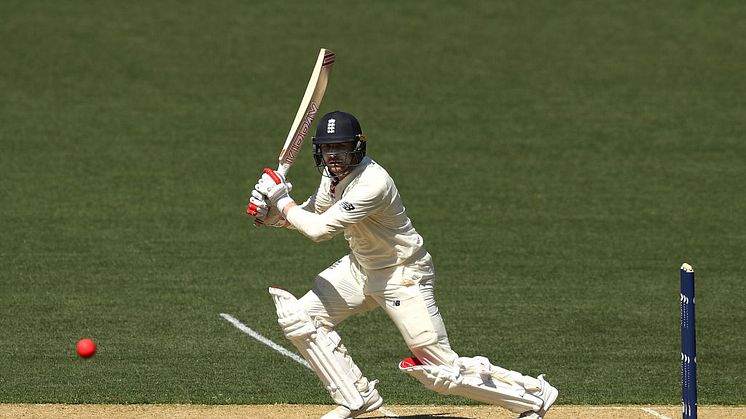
[86,348]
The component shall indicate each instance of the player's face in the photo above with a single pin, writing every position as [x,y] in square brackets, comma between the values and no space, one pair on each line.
[337,157]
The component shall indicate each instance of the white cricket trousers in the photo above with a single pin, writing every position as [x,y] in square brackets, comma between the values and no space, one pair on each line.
[405,292]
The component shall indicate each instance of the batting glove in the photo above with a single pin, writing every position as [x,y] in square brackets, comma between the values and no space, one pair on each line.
[258,205]
[260,208]
[275,188]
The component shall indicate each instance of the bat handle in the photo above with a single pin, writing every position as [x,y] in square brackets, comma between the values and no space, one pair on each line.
[283,169]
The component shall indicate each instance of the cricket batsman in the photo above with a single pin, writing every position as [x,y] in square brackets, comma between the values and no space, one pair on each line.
[388,267]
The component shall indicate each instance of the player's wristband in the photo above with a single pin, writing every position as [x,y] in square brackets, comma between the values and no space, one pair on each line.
[283,202]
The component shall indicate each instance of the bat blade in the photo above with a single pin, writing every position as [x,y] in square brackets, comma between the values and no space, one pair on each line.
[307,110]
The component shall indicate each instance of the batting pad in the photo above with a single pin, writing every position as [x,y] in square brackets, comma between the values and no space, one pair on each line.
[319,348]
[450,381]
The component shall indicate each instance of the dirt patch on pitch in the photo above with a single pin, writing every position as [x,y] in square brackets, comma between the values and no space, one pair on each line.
[89,411]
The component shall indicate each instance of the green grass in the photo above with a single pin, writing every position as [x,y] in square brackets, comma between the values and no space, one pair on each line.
[560,159]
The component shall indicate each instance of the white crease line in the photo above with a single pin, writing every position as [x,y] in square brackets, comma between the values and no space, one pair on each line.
[654,413]
[242,327]
[246,329]
[387,413]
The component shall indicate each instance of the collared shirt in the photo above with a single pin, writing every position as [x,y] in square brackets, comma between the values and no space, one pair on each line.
[365,205]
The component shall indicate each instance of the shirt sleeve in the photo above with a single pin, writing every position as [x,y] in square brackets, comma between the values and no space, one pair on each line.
[361,201]
[319,201]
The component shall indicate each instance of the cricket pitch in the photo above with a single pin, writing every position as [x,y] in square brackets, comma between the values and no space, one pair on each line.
[181,411]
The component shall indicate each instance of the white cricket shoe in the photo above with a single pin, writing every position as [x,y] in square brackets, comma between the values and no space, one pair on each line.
[372,399]
[548,394]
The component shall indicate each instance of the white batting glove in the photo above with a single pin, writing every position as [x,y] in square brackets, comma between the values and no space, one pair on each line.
[263,186]
[275,188]
[262,210]
[258,205]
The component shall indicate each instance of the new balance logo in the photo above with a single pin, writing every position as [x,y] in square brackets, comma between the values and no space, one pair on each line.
[331,126]
[346,206]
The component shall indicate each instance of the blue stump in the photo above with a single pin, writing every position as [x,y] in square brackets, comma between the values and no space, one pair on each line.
[688,345]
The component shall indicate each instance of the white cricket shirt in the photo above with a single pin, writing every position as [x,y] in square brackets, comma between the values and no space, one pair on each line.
[365,205]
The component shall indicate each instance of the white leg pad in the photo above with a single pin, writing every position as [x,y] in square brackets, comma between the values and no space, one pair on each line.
[473,379]
[319,348]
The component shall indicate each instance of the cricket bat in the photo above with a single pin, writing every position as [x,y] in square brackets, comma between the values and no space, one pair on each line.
[309,106]
[307,110]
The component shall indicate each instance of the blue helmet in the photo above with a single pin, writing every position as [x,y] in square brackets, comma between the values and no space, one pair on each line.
[339,127]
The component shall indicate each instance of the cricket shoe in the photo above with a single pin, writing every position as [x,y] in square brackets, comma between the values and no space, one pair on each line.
[372,401]
[548,394]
